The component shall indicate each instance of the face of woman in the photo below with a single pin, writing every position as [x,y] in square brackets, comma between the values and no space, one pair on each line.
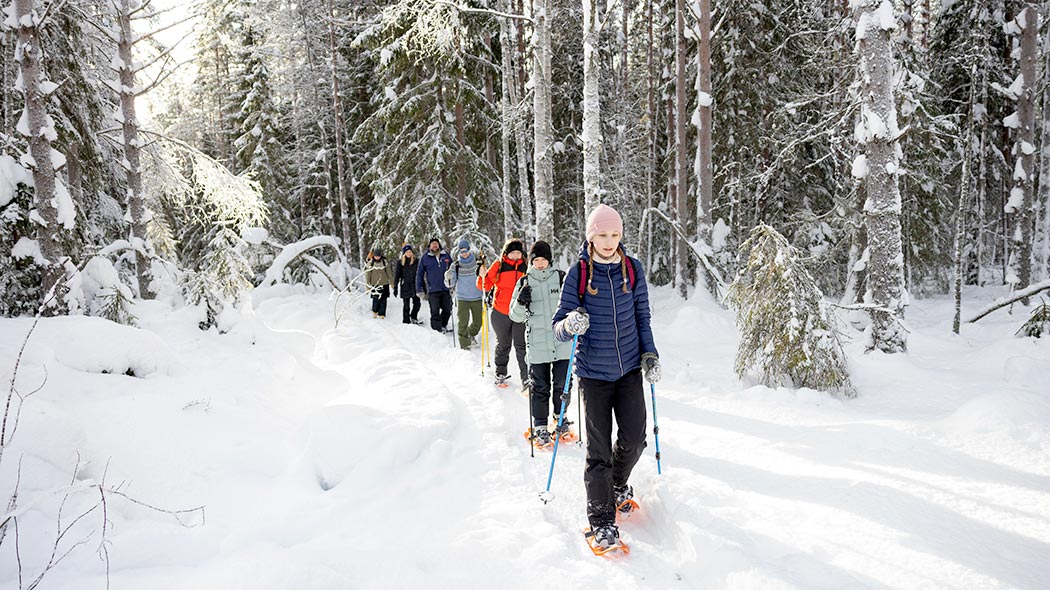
[540,263]
[605,243]
[514,255]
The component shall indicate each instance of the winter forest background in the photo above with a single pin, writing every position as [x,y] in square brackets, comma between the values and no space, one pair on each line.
[383,123]
[822,168]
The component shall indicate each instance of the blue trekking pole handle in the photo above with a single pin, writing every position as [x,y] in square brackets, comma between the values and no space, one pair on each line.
[656,428]
[546,496]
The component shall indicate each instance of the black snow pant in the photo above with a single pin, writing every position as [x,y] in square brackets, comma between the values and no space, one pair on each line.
[542,385]
[410,315]
[379,302]
[440,309]
[606,467]
[506,331]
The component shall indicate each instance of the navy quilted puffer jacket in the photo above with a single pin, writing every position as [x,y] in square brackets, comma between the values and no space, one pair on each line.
[619,332]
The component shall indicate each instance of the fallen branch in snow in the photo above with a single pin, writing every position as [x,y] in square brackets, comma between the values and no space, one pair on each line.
[1012,298]
[352,298]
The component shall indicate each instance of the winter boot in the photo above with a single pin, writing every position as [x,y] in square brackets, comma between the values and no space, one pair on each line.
[563,430]
[606,536]
[501,380]
[624,498]
[541,437]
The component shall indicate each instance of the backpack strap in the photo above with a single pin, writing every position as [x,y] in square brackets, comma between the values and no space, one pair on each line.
[583,277]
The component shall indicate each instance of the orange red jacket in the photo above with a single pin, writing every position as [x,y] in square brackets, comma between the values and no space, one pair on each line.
[501,277]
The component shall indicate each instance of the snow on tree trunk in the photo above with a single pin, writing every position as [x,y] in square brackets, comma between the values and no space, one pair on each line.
[1020,205]
[592,116]
[961,210]
[787,332]
[703,164]
[650,124]
[542,129]
[137,214]
[337,111]
[680,170]
[1042,228]
[877,132]
[53,206]
[507,126]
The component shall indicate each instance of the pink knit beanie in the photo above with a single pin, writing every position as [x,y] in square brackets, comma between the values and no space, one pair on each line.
[603,218]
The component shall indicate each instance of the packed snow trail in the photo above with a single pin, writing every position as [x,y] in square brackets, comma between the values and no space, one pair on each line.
[375,456]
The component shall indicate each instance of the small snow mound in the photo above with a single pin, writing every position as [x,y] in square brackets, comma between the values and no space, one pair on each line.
[95,345]
[1025,370]
[1017,412]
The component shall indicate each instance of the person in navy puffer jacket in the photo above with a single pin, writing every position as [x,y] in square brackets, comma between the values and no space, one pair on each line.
[431,285]
[615,351]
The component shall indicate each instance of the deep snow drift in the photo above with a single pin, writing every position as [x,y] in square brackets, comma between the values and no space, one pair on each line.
[375,455]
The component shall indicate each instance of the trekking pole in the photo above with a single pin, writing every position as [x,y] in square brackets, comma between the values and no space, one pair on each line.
[579,415]
[656,428]
[484,334]
[546,496]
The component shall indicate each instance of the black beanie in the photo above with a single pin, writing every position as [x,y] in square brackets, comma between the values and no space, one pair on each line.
[512,245]
[540,250]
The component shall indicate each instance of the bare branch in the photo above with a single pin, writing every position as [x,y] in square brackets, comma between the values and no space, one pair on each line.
[701,256]
[1012,298]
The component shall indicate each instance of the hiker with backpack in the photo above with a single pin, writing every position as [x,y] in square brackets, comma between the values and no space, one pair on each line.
[498,282]
[405,283]
[463,276]
[431,286]
[377,279]
[605,301]
[533,303]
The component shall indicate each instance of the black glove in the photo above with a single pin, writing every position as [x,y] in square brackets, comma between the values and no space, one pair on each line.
[489,296]
[525,295]
[395,291]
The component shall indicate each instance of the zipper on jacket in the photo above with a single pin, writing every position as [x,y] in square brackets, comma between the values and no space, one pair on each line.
[616,325]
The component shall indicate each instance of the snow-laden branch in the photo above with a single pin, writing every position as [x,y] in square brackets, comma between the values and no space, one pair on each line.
[703,257]
[485,11]
[1012,298]
[292,251]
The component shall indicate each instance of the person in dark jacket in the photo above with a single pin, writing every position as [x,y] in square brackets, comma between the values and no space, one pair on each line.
[500,279]
[615,350]
[405,283]
[378,279]
[431,284]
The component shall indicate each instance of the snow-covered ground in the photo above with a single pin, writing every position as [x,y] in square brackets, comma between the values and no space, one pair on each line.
[375,455]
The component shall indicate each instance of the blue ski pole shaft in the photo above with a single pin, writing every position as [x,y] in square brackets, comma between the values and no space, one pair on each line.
[561,417]
[656,427]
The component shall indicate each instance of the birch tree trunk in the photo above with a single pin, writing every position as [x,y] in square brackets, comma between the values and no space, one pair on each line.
[704,156]
[53,207]
[337,112]
[650,125]
[878,133]
[137,214]
[507,119]
[542,129]
[592,129]
[680,168]
[1042,228]
[1020,206]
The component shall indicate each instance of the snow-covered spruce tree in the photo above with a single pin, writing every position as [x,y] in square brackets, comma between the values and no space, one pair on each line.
[259,150]
[878,134]
[223,274]
[788,334]
[1038,324]
[780,138]
[430,167]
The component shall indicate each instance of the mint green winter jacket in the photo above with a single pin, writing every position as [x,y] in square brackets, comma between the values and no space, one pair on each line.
[540,344]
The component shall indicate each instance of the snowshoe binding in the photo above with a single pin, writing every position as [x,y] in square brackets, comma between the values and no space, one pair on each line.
[624,498]
[541,438]
[565,433]
[605,541]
